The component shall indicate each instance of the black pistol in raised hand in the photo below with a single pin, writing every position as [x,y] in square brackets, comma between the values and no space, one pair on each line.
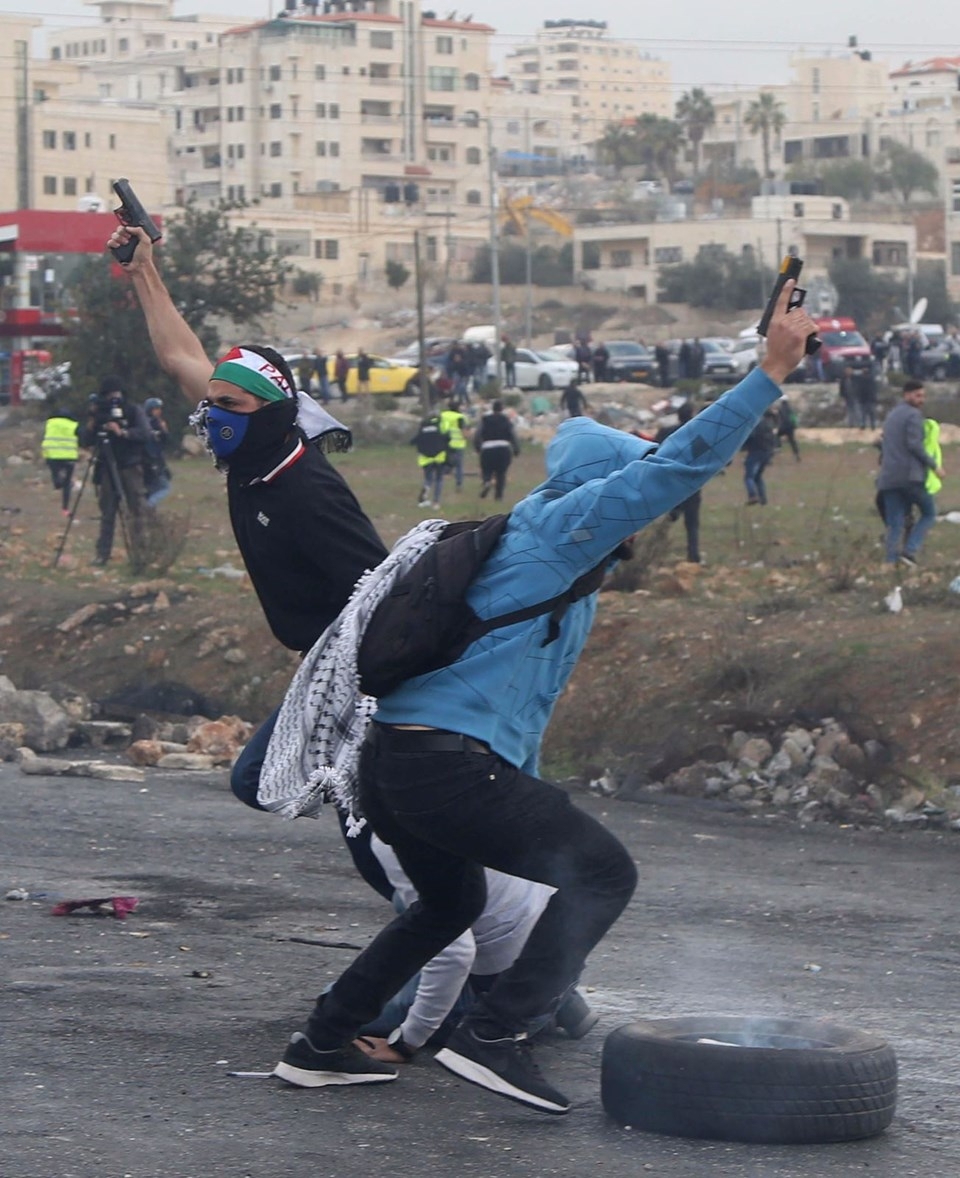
[789,268]
[132,213]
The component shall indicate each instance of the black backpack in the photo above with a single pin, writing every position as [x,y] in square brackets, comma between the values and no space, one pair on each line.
[424,623]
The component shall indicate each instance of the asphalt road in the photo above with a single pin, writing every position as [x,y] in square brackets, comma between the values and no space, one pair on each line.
[118,1036]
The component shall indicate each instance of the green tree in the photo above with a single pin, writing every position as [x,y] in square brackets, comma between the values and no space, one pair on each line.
[550,266]
[397,274]
[931,283]
[865,294]
[695,114]
[850,179]
[717,280]
[765,117]
[617,146]
[658,144]
[218,275]
[906,171]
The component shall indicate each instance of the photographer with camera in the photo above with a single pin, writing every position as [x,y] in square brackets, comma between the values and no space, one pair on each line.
[117,431]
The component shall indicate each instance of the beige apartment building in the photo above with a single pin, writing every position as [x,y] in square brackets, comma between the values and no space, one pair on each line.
[62,141]
[628,258]
[606,80]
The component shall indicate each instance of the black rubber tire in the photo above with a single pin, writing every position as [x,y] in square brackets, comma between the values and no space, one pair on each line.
[815,1081]
[545,382]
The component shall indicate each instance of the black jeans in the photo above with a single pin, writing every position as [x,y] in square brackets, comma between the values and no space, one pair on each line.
[448,815]
[494,464]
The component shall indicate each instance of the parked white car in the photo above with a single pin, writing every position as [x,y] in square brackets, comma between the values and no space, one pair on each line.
[745,355]
[539,370]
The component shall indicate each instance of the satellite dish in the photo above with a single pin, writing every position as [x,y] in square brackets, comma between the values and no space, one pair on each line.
[919,310]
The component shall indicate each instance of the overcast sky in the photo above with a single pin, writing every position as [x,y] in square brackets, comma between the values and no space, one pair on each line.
[707,42]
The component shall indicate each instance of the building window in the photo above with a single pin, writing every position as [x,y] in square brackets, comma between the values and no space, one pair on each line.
[381,40]
[955,257]
[440,153]
[49,186]
[955,195]
[319,73]
[276,148]
[69,186]
[112,142]
[276,190]
[274,73]
[87,139]
[890,253]
[123,45]
[334,110]
[321,147]
[50,139]
[321,110]
[442,77]
[621,258]
[276,110]
[513,127]
[474,197]
[471,81]
[334,148]
[69,141]
[331,249]
[668,255]
[473,155]
[444,45]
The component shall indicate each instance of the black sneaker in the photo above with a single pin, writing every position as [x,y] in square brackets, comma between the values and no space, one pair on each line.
[910,561]
[505,1066]
[575,1017]
[308,1068]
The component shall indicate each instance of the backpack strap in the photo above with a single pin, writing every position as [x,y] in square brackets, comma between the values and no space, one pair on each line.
[556,607]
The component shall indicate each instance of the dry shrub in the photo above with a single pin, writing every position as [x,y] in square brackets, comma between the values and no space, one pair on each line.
[649,551]
[155,546]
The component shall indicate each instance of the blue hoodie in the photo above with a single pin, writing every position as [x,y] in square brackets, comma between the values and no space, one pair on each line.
[602,486]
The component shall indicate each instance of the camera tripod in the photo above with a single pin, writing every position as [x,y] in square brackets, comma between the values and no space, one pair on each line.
[101,459]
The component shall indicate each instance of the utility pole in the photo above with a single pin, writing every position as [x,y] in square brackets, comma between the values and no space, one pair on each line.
[421,331]
[528,306]
[494,247]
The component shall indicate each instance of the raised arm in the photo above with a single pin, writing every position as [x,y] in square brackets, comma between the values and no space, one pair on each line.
[177,348]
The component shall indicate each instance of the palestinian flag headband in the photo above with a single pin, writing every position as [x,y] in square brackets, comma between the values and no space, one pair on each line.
[252,372]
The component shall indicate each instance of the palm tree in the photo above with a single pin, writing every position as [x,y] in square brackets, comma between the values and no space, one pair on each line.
[658,142]
[695,114]
[764,117]
[617,146]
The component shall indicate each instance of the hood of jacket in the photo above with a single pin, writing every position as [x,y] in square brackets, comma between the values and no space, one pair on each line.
[582,450]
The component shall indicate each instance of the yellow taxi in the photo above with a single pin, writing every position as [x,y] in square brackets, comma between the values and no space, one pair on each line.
[386,376]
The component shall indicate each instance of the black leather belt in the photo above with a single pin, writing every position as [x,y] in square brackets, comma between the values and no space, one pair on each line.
[413,740]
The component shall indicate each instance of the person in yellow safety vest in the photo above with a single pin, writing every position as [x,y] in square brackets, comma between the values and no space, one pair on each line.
[931,443]
[431,444]
[60,448]
[455,426]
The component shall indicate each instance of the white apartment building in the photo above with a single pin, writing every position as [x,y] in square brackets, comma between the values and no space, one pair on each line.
[606,80]
[628,258]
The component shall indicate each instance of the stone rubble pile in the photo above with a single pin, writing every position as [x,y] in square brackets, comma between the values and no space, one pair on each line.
[811,774]
[35,724]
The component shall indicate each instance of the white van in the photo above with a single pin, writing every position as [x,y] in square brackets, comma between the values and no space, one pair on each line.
[484,333]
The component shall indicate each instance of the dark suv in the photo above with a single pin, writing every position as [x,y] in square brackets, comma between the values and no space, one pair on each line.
[631,361]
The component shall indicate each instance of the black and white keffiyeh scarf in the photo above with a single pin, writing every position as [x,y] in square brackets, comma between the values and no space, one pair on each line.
[314,751]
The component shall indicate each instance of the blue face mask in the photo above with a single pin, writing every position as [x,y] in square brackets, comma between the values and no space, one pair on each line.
[225,430]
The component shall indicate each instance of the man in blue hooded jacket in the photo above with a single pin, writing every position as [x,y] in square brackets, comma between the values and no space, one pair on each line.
[448,776]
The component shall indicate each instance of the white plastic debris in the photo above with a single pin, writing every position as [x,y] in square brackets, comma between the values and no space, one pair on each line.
[894,600]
